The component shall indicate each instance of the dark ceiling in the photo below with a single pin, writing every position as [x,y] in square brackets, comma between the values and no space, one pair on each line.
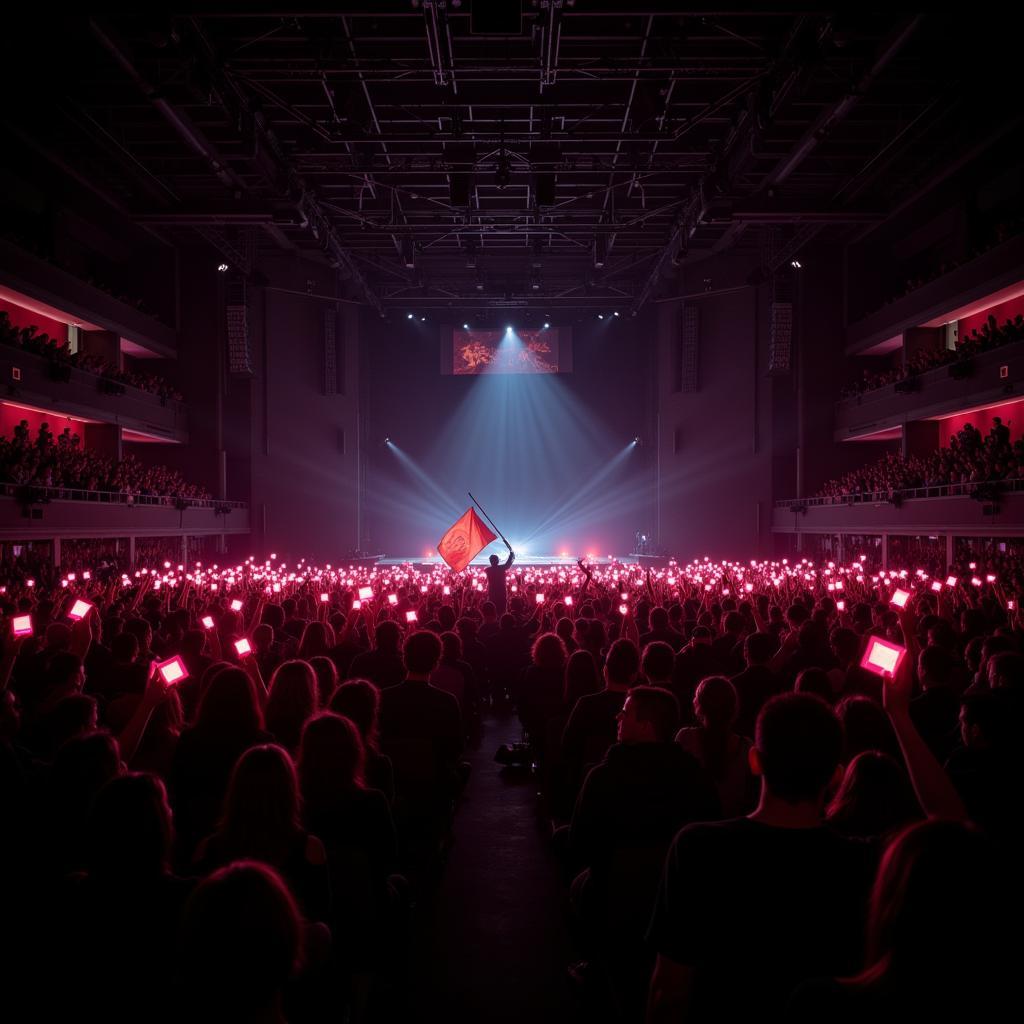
[573,155]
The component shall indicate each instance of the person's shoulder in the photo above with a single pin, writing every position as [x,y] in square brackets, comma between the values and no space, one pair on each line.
[682,759]
[441,697]
[178,888]
[207,853]
[585,704]
[704,841]
[601,776]
[374,799]
[315,853]
[706,833]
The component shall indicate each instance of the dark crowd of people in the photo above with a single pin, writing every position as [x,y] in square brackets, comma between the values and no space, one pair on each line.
[992,335]
[971,458]
[225,795]
[80,269]
[64,462]
[101,558]
[987,236]
[31,339]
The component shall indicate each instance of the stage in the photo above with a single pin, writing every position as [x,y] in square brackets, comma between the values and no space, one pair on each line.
[521,560]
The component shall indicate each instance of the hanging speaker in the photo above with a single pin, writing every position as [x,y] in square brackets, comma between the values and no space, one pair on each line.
[780,338]
[237,326]
[688,378]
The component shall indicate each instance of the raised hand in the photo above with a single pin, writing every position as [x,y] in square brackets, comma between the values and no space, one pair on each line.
[897,689]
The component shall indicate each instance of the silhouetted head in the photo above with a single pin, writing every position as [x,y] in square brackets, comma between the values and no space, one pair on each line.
[494,559]
[261,806]
[421,653]
[292,699]
[358,700]
[874,798]
[241,940]
[129,830]
[649,715]
[331,759]
[715,704]
[935,935]
[798,746]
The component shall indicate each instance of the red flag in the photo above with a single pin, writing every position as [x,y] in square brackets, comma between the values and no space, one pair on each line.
[464,541]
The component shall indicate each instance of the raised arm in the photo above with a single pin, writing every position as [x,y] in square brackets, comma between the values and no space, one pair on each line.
[630,630]
[81,634]
[11,651]
[935,790]
[252,670]
[586,582]
[759,620]
[129,738]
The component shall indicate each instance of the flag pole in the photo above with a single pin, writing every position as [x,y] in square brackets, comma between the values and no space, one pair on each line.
[488,518]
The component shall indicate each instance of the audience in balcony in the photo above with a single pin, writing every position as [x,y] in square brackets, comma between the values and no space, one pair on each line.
[63,462]
[969,459]
[31,339]
[84,273]
[988,236]
[991,336]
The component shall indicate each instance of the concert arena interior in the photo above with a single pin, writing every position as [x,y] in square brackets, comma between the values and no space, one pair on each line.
[510,511]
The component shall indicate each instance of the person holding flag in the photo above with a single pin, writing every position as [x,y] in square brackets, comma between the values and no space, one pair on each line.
[466,538]
[497,592]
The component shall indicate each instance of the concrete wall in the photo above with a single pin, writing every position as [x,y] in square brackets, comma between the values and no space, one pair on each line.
[303,443]
[716,445]
[198,374]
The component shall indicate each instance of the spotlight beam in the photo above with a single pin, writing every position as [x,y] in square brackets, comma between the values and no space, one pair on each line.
[568,508]
[542,456]
[421,477]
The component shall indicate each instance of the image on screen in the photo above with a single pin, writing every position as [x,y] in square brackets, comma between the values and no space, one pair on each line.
[497,350]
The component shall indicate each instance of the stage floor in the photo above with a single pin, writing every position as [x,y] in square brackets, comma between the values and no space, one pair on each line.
[521,560]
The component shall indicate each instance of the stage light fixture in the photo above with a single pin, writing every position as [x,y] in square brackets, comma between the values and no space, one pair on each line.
[410,316]
[409,253]
[600,316]
[423,319]
[508,329]
[465,327]
[616,313]
[600,251]
[546,324]
[795,264]
[223,268]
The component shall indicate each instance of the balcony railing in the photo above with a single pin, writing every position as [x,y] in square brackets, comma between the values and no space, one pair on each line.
[38,494]
[906,493]
[62,389]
